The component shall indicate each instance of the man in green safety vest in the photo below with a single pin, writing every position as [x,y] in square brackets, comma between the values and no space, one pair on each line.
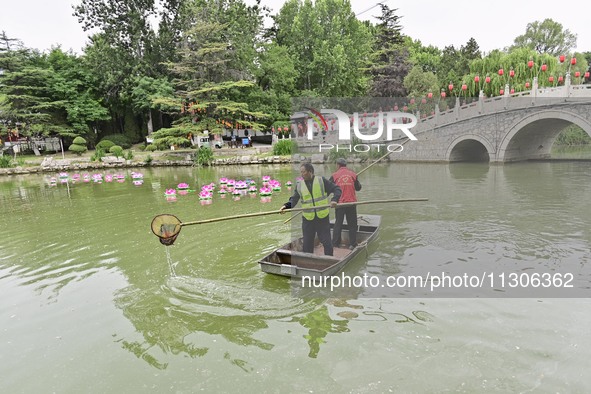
[314,191]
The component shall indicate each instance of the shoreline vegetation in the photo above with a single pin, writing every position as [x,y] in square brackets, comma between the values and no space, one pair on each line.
[30,164]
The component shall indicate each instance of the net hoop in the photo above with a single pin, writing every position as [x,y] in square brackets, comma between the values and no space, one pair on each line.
[167,228]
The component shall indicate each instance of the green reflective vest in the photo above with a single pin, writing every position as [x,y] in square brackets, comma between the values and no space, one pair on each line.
[316,198]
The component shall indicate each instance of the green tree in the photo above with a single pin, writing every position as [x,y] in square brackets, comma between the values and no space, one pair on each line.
[126,48]
[391,64]
[329,46]
[547,37]
[419,83]
[428,58]
[211,77]
[51,94]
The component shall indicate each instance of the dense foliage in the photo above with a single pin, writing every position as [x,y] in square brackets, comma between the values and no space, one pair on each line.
[212,65]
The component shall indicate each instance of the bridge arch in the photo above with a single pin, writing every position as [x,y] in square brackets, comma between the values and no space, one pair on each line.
[470,147]
[532,137]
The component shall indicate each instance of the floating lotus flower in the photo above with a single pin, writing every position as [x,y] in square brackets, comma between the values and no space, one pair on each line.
[86,178]
[288,183]
[52,180]
[223,181]
[207,188]
[230,184]
[63,175]
[240,185]
[266,179]
[275,185]
[137,175]
[170,192]
[265,191]
[205,195]
[236,195]
[252,189]
[183,186]
[98,178]
[138,182]
[223,190]
[252,182]
[109,178]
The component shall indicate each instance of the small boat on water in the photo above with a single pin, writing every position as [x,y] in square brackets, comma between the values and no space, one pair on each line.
[289,260]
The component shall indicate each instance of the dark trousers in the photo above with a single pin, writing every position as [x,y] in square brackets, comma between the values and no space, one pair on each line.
[317,226]
[351,214]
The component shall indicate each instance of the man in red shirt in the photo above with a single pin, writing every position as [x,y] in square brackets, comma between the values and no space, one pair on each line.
[349,184]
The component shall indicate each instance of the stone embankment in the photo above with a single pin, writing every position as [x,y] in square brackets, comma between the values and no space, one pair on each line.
[50,165]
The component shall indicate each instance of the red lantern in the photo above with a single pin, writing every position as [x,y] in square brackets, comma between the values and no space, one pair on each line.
[530,64]
[450,86]
[551,78]
[412,101]
[573,61]
[501,72]
[560,79]
[424,101]
[577,74]
[477,79]
[511,73]
[464,87]
[443,94]
[502,92]
[527,85]
[512,91]
[544,67]
[272,129]
[487,79]
[587,74]
[430,95]
[561,58]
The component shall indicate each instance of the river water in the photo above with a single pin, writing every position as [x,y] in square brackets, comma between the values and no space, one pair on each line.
[92,302]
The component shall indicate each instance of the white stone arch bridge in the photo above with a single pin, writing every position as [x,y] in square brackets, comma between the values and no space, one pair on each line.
[508,128]
[513,127]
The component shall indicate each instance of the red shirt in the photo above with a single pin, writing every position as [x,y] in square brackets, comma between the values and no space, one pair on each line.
[345,179]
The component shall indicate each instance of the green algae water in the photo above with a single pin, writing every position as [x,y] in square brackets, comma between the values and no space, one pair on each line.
[92,302]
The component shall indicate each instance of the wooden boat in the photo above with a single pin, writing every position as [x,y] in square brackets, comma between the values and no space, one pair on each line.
[289,260]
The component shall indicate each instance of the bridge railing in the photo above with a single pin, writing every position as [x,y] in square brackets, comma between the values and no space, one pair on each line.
[498,104]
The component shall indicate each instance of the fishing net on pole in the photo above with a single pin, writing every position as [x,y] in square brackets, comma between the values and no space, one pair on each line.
[166,228]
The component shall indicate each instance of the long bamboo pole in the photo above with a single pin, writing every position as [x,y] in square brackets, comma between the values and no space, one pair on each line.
[251,215]
[359,173]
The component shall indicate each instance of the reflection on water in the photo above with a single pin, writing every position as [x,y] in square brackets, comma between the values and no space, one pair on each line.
[319,324]
[168,315]
[474,172]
